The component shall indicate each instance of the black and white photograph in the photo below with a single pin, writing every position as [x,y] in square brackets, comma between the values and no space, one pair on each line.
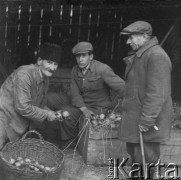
[90,89]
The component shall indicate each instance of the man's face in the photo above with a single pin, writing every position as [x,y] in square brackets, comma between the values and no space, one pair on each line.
[136,41]
[83,59]
[47,67]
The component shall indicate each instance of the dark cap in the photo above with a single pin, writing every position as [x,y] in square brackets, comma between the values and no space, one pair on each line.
[138,27]
[49,51]
[82,47]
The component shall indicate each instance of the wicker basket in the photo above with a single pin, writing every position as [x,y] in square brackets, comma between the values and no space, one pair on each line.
[35,149]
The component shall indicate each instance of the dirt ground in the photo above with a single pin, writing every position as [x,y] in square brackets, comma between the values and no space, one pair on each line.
[75,169]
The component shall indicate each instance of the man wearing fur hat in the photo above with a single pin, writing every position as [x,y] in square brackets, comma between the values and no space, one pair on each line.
[147,104]
[23,93]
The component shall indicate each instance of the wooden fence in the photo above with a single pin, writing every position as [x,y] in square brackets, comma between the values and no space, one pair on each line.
[24,26]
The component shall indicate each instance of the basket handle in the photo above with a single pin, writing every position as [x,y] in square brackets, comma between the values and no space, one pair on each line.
[32,131]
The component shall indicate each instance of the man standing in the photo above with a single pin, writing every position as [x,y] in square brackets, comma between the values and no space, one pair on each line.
[147,104]
[23,93]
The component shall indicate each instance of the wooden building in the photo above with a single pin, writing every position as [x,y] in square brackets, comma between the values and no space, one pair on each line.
[26,24]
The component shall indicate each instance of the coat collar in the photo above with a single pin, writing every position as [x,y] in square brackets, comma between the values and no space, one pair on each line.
[90,67]
[129,59]
[152,42]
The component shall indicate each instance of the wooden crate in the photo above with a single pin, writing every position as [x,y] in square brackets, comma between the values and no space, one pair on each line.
[98,146]
[171,150]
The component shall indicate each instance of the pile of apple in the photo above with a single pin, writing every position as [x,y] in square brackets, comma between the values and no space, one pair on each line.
[62,115]
[111,119]
[31,165]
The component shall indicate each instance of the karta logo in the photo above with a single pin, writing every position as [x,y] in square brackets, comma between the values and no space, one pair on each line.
[116,168]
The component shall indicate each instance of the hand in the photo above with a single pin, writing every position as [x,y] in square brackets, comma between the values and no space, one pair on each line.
[143,128]
[51,116]
[87,113]
[59,115]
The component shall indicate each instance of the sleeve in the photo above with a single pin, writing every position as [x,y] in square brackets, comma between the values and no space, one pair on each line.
[113,81]
[23,101]
[157,88]
[76,97]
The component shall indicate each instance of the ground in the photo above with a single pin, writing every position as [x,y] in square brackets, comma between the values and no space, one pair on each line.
[75,169]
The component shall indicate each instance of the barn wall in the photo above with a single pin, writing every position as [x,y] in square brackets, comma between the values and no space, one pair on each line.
[24,26]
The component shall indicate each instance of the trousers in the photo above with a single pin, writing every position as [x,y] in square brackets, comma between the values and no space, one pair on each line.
[60,131]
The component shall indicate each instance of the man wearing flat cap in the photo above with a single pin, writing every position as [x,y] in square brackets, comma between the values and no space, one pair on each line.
[23,93]
[91,82]
[147,104]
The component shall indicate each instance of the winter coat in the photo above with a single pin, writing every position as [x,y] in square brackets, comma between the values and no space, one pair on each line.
[21,96]
[147,97]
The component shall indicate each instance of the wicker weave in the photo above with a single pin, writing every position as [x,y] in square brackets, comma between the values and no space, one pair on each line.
[35,149]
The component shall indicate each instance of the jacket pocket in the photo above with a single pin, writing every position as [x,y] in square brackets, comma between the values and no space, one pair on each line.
[94,83]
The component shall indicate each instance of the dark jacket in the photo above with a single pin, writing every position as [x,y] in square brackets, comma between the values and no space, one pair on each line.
[93,89]
[21,95]
[147,97]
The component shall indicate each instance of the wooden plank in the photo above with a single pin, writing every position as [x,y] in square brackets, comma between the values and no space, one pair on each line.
[171,150]
[175,138]
[103,133]
[97,147]
[99,151]
[176,159]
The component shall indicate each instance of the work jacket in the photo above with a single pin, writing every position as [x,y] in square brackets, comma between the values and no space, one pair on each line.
[147,98]
[21,96]
[93,89]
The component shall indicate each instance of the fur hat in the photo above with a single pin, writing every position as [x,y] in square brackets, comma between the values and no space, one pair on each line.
[49,51]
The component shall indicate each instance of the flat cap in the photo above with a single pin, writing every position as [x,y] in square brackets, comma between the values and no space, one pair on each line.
[50,51]
[138,27]
[82,47]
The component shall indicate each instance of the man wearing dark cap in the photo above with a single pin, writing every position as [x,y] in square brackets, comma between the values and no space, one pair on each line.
[147,104]
[91,82]
[23,93]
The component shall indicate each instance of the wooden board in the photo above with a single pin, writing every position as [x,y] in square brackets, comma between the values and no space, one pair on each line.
[171,150]
[96,147]
[103,133]
[99,151]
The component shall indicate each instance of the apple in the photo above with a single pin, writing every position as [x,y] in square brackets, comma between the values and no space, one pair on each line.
[112,116]
[94,123]
[27,160]
[47,169]
[65,114]
[107,121]
[12,161]
[118,118]
[102,116]
[113,125]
